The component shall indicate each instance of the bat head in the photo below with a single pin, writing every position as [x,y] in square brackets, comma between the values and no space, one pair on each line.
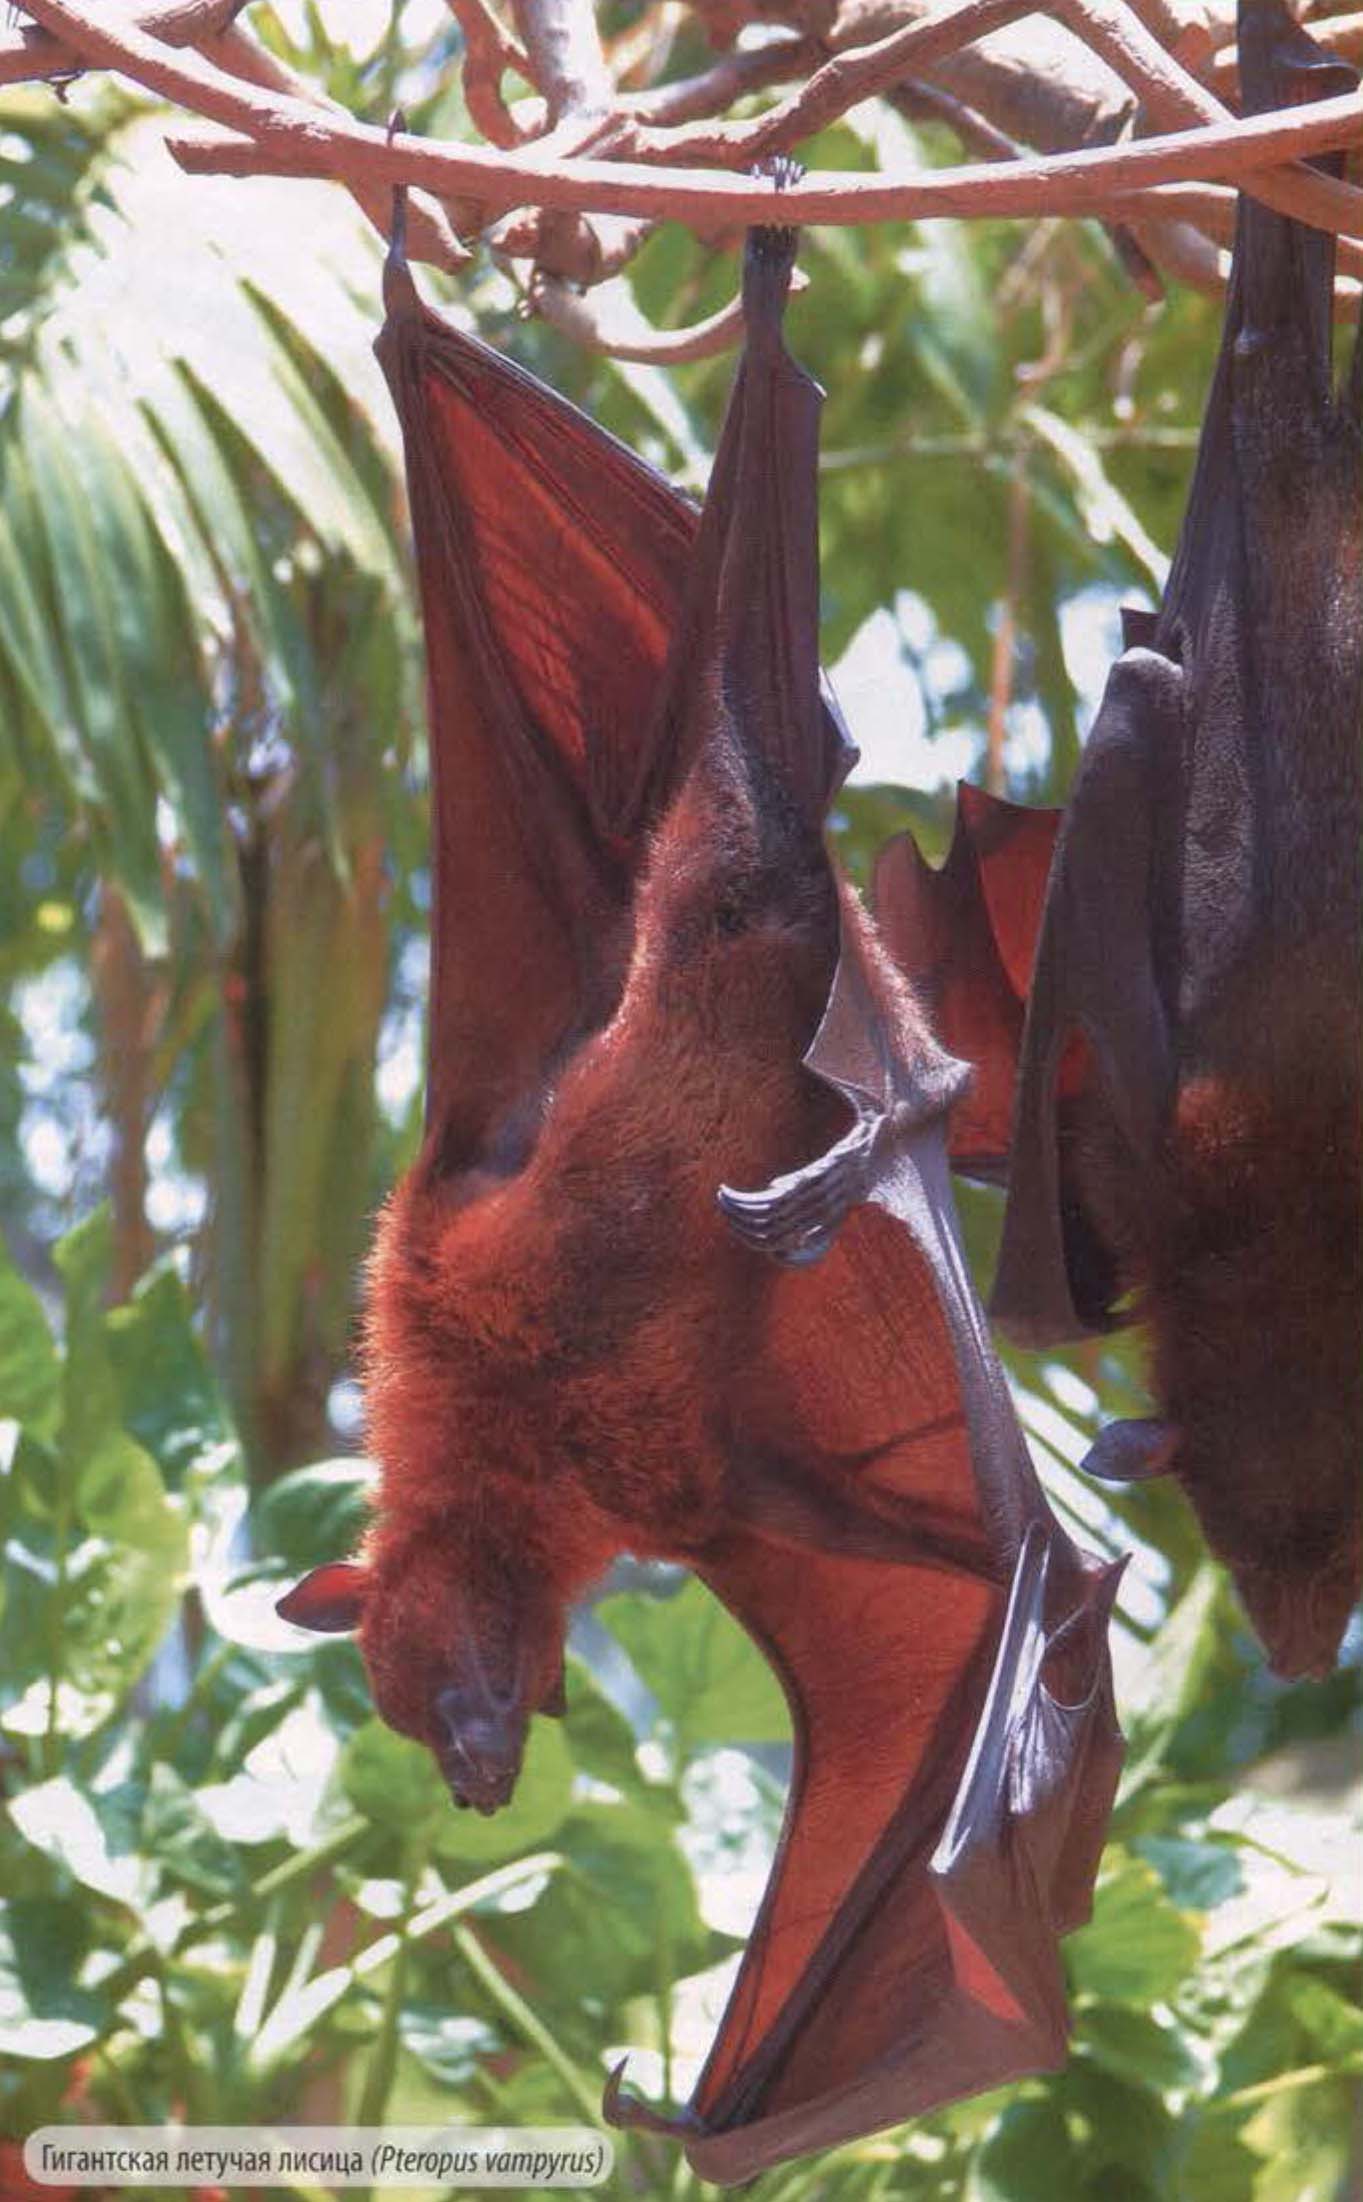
[1301,1611]
[457,1660]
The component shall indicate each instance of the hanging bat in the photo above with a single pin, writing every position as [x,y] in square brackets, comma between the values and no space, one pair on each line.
[1187,1140]
[676,1271]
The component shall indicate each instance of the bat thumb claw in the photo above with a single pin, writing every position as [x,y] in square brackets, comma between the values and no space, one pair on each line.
[621,2108]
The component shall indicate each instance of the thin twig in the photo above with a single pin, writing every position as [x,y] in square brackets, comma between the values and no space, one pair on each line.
[489,51]
[838,85]
[734,76]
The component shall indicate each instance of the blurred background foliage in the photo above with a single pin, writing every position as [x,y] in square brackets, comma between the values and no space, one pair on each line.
[228,1892]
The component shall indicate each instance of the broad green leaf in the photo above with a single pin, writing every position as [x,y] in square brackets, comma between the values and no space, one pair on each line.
[30,1372]
[1198,1876]
[620,1914]
[1027,2157]
[45,2011]
[1136,2047]
[601,1740]
[170,1398]
[316,1513]
[1137,1946]
[123,1500]
[1127,2129]
[1307,2137]
[90,1399]
[391,1779]
[708,1677]
[184,1842]
[98,1848]
[541,1798]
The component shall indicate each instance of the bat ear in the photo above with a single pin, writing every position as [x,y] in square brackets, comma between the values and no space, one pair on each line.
[329,1600]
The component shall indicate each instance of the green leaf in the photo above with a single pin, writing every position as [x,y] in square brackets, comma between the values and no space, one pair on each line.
[90,1398]
[619,1917]
[1138,1946]
[541,1797]
[601,1740]
[30,1371]
[1027,2157]
[1126,2126]
[92,1839]
[122,1499]
[1198,1876]
[1330,2020]
[1214,2165]
[1173,1675]
[1137,2047]
[169,1397]
[391,1779]
[1304,2134]
[708,1677]
[317,1513]
[184,1842]
[44,2011]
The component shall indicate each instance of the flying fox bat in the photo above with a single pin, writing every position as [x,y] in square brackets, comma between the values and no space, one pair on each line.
[664,1041]
[1187,1138]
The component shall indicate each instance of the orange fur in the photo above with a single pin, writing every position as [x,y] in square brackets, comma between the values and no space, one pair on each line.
[552,1366]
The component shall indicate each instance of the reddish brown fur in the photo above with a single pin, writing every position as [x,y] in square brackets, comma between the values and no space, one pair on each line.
[551,1366]
[1246,1252]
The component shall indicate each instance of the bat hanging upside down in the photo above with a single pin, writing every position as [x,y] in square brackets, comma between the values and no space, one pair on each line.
[666,1045]
[1190,1102]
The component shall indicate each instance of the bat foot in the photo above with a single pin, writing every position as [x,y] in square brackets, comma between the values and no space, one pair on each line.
[796,1218]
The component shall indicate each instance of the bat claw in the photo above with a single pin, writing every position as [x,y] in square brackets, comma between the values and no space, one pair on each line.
[796,1218]
[621,2107]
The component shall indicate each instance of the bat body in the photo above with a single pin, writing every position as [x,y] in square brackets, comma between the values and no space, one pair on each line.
[666,1046]
[1188,1125]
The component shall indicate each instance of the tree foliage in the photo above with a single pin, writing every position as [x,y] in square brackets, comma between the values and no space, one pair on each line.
[229,1892]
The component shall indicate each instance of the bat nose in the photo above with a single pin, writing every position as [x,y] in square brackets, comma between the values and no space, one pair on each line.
[1300,1620]
[480,1755]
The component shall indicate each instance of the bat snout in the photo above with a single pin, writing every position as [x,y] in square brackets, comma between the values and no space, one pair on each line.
[1300,1618]
[480,1750]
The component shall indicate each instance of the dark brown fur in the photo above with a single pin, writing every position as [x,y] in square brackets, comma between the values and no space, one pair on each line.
[1244,1250]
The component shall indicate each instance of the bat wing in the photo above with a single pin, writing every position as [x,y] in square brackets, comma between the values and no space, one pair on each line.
[1098,1025]
[553,566]
[965,936]
[551,563]
[941,1643]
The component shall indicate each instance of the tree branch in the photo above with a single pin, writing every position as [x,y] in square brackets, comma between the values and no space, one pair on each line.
[273,125]
[27,51]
